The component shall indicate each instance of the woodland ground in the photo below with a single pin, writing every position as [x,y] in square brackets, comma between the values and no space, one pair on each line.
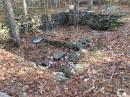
[106,74]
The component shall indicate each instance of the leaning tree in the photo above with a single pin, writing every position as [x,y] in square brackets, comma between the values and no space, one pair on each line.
[11,21]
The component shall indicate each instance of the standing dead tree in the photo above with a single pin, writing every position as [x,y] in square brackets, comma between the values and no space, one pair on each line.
[11,21]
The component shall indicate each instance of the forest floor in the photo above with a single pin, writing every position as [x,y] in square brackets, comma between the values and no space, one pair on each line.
[97,80]
[106,71]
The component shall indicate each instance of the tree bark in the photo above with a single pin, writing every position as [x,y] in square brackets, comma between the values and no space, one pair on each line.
[90,5]
[25,8]
[11,21]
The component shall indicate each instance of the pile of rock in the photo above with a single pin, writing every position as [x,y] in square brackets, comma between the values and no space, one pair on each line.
[51,22]
[94,21]
[48,22]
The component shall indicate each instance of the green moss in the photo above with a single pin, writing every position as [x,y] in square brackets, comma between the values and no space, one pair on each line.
[119,22]
[97,54]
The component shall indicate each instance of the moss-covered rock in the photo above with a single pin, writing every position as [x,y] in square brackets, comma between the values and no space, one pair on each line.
[97,21]
[103,22]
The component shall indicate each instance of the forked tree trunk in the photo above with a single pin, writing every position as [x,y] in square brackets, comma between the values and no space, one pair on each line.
[11,21]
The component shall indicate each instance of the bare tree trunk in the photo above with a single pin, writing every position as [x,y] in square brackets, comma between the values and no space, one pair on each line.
[25,7]
[90,5]
[11,21]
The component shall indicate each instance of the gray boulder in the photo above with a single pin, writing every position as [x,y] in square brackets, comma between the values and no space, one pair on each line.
[36,40]
[59,55]
[4,95]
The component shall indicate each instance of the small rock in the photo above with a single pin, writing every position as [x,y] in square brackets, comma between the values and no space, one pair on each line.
[45,50]
[125,78]
[25,94]
[66,57]
[128,66]
[93,48]
[85,40]
[82,40]
[72,68]
[59,55]
[37,40]
[42,68]
[50,57]
[122,93]
[66,71]
[80,68]
[79,45]
[51,63]
[25,87]
[70,45]
[88,39]
[39,31]
[83,50]
[71,65]
[74,57]
[86,80]
[45,63]
[4,95]
[60,76]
